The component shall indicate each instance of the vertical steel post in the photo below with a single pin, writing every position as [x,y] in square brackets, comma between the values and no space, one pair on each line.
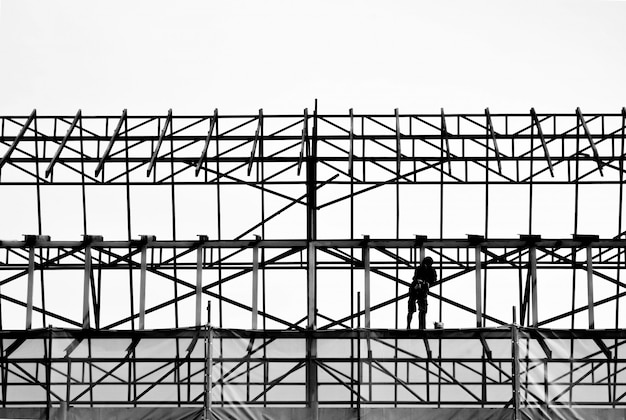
[86,285]
[516,369]
[208,365]
[142,289]
[532,255]
[255,283]
[479,295]
[142,279]
[199,264]
[590,300]
[366,277]
[29,290]
[311,187]
[31,242]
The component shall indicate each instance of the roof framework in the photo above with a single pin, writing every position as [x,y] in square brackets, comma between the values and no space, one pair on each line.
[518,211]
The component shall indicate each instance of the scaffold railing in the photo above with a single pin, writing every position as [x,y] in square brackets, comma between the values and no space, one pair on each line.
[355,368]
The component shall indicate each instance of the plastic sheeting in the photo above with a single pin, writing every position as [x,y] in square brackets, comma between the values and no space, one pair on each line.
[333,374]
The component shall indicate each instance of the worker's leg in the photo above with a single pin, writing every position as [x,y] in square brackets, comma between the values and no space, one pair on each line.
[423,307]
[411,310]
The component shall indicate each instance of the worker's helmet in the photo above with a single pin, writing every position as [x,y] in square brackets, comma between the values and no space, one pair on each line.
[427,261]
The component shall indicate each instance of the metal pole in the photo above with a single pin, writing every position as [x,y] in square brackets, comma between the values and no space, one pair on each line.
[479,306]
[366,274]
[86,285]
[532,253]
[590,301]
[255,283]
[208,366]
[358,356]
[142,288]
[29,290]
[516,369]
[199,264]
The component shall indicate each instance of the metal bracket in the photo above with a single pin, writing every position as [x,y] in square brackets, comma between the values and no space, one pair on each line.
[492,133]
[398,149]
[13,146]
[206,142]
[444,131]
[303,142]
[596,156]
[62,145]
[257,134]
[351,146]
[485,345]
[535,120]
[110,145]
[168,121]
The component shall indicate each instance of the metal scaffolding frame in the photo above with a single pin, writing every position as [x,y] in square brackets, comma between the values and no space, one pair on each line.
[287,199]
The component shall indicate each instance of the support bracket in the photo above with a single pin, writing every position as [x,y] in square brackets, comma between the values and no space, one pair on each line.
[62,145]
[257,135]
[110,145]
[492,133]
[13,146]
[153,159]
[535,120]
[596,156]
[206,142]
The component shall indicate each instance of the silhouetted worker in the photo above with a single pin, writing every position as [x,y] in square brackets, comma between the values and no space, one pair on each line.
[423,278]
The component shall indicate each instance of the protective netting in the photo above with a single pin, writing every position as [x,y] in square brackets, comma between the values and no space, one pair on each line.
[360,373]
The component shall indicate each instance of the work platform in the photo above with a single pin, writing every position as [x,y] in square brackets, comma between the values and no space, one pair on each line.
[389,374]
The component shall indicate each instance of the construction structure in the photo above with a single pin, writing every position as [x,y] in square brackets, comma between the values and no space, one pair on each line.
[242,266]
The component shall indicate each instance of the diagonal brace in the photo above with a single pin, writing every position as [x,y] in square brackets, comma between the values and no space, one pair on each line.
[153,159]
[13,146]
[110,145]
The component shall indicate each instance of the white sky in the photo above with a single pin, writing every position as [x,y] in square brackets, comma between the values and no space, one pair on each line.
[193,56]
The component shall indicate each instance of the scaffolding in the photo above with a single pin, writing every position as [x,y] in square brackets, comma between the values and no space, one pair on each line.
[303,232]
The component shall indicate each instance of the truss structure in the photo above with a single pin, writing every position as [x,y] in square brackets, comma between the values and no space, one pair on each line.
[305,229]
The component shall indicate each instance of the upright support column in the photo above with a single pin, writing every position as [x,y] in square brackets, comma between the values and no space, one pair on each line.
[86,278]
[534,304]
[208,366]
[255,283]
[586,240]
[476,240]
[311,190]
[199,264]
[479,290]
[31,242]
[516,368]
[311,372]
[88,239]
[366,277]
[29,287]
[145,239]
[590,300]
